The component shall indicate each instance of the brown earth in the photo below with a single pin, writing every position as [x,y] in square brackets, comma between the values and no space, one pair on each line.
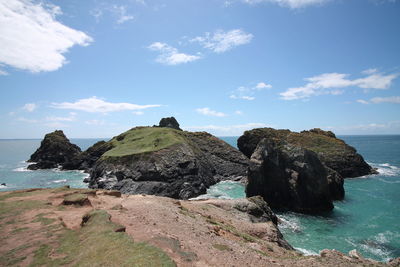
[38,229]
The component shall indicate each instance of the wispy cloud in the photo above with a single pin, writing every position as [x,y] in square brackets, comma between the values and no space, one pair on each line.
[221,130]
[210,112]
[71,117]
[94,104]
[379,100]
[30,107]
[329,83]
[33,39]
[371,128]
[247,93]
[221,41]
[3,73]
[170,55]
[118,12]
[95,122]
[289,3]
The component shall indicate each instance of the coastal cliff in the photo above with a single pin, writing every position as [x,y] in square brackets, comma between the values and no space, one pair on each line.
[83,227]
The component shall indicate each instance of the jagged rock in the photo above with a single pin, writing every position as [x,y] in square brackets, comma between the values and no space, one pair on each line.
[54,150]
[86,159]
[333,152]
[167,162]
[169,122]
[288,177]
[339,159]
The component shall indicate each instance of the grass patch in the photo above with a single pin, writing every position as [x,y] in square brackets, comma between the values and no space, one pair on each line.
[233,230]
[43,220]
[14,208]
[10,258]
[221,247]
[142,140]
[18,230]
[186,212]
[97,244]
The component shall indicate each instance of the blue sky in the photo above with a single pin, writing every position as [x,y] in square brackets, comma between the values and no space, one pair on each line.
[96,68]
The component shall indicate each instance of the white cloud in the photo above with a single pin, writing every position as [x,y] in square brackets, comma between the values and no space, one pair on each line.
[94,104]
[390,99]
[33,39]
[138,112]
[262,85]
[122,14]
[29,107]
[247,93]
[289,3]
[328,83]
[369,71]
[95,122]
[3,73]
[239,112]
[233,130]
[71,117]
[363,101]
[221,41]
[170,55]
[244,97]
[210,112]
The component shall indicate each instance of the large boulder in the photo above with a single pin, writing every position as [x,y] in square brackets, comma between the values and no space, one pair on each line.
[167,162]
[340,160]
[288,177]
[169,122]
[332,151]
[55,150]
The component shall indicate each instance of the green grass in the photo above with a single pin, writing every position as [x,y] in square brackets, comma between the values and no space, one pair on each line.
[76,199]
[221,247]
[43,220]
[97,244]
[142,140]
[10,258]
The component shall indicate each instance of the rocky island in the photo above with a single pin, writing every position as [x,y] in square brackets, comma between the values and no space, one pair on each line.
[303,171]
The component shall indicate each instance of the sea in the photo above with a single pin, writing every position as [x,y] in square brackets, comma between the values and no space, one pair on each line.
[368,219]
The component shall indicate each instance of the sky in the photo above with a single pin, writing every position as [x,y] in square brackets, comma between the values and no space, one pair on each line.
[96,68]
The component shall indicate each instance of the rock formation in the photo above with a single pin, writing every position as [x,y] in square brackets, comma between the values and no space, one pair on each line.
[288,177]
[169,122]
[339,159]
[166,162]
[54,150]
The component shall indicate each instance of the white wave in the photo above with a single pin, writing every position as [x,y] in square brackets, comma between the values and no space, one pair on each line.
[386,169]
[59,181]
[3,186]
[306,252]
[291,224]
[22,169]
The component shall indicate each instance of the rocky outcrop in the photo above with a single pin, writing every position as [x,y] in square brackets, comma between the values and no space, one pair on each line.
[54,150]
[288,177]
[166,162]
[169,122]
[339,159]
[86,159]
[333,152]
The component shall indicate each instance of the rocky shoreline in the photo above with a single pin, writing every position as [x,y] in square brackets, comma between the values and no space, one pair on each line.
[95,227]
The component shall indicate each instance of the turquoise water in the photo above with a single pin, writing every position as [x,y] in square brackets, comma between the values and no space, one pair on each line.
[13,172]
[367,220]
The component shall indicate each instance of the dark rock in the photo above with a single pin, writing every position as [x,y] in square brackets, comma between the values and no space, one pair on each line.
[169,122]
[54,150]
[3,184]
[288,177]
[76,199]
[166,162]
[333,152]
[86,159]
